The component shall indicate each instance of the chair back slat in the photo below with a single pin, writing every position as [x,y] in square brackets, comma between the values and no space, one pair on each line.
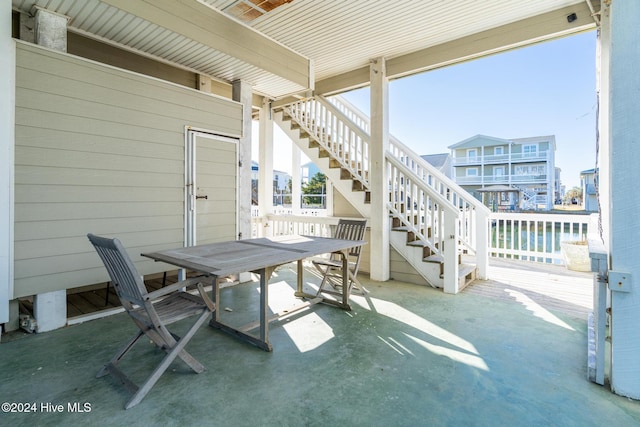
[123,273]
[350,229]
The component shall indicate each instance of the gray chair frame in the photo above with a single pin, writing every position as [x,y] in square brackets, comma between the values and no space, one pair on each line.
[331,269]
[151,312]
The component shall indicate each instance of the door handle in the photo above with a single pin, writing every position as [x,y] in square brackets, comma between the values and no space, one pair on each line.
[202,197]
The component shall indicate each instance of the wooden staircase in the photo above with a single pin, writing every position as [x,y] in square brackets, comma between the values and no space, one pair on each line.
[336,138]
[425,260]
[338,171]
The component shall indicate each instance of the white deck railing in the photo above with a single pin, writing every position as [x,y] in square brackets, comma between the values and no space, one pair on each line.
[519,236]
[534,236]
[284,225]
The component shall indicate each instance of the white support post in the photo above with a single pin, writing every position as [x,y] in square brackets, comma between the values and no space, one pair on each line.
[242,92]
[450,253]
[624,153]
[482,245]
[50,308]
[265,160]
[379,181]
[7,138]
[329,197]
[296,179]
[603,89]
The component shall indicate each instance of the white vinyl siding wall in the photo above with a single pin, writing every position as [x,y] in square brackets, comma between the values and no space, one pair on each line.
[100,150]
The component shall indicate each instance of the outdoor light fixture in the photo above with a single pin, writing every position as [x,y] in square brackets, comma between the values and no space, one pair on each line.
[572,17]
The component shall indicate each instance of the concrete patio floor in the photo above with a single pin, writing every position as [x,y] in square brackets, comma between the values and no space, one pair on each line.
[405,355]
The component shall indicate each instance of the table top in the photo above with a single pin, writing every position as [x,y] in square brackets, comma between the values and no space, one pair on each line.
[225,258]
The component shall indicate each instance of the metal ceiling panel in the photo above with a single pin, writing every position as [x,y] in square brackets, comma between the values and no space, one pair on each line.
[339,36]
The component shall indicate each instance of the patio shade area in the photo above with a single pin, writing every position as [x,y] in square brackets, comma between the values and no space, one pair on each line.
[509,351]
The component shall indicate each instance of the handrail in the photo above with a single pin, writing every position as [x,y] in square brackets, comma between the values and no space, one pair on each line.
[423,198]
[438,198]
[335,133]
[434,177]
[401,151]
[418,207]
[349,110]
[472,210]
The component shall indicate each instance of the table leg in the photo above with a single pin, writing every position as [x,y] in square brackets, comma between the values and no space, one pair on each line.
[300,276]
[345,280]
[299,281]
[262,340]
[265,275]
[216,298]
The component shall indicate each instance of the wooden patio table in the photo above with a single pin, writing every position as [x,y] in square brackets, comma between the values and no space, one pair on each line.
[261,256]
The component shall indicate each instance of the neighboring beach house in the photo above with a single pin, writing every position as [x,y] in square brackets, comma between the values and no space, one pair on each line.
[589,185]
[309,170]
[525,164]
[441,161]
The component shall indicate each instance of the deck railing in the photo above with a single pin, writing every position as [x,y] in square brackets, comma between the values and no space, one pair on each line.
[284,225]
[519,236]
[535,236]
[501,158]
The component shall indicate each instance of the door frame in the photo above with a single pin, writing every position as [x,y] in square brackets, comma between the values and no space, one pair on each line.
[190,177]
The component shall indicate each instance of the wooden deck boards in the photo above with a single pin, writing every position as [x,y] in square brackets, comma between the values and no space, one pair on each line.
[551,287]
[99,298]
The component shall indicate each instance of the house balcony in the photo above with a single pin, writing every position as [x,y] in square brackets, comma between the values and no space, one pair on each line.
[517,335]
[500,159]
[501,179]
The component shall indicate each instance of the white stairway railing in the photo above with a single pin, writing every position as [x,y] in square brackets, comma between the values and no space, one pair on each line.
[427,203]
[471,210]
[336,133]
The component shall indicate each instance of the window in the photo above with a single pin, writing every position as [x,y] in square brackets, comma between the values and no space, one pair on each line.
[498,151]
[472,172]
[530,150]
[472,154]
[498,172]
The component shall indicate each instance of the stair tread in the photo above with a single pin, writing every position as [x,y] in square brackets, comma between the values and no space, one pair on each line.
[434,258]
[464,269]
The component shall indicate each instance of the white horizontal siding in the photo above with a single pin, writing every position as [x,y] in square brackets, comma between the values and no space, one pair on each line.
[100,150]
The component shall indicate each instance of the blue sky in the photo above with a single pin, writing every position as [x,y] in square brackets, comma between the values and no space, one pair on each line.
[545,89]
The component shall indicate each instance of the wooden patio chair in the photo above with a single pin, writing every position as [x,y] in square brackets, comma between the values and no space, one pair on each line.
[151,312]
[331,269]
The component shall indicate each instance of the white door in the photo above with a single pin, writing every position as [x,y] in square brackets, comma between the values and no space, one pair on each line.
[211,190]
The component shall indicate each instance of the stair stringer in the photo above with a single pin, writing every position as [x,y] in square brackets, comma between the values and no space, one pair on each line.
[344,186]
